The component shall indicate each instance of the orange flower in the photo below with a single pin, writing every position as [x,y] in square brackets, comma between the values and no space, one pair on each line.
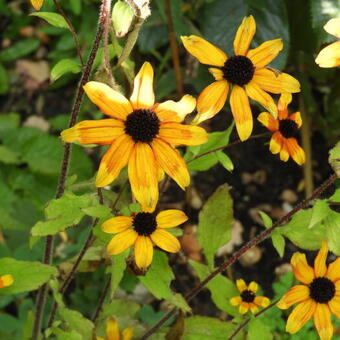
[318,296]
[6,280]
[284,131]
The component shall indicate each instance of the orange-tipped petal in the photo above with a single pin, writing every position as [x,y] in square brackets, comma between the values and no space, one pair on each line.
[300,315]
[244,307]
[283,103]
[170,218]
[122,241]
[276,143]
[302,271]
[244,35]
[143,252]
[165,241]
[284,153]
[117,224]
[295,294]
[268,121]
[253,308]
[296,117]
[333,271]
[265,53]
[241,285]
[329,56]
[320,267]
[322,321]
[262,301]
[295,151]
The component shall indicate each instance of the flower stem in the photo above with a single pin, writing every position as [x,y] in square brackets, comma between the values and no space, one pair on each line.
[101,301]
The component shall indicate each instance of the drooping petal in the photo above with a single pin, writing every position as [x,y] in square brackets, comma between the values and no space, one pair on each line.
[283,103]
[171,162]
[244,307]
[334,306]
[112,330]
[235,301]
[302,271]
[284,153]
[127,333]
[211,100]
[110,102]
[333,271]
[262,97]
[115,158]
[176,134]
[143,252]
[322,321]
[217,73]
[295,151]
[276,143]
[295,294]
[117,224]
[244,35]
[262,301]
[165,241]
[6,280]
[268,121]
[122,241]
[101,132]
[265,53]
[296,117]
[240,109]
[170,218]
[300,315]
[204,51]
[143,176]
[241,285]
[329,56]
[253,286]
[320,267]
[143,95]
[333,27]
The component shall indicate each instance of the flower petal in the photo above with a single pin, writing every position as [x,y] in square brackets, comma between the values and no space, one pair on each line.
[6,280]
[37,4]
[175,134]
[295,294]
[170,218]
[241,285]
[143,176]
[284,154]
[262,97]
[101,132]
[268,121]
[244,307]
[282,105]
[127,333]
[322,321]
[329,56]
[253,308]
[112,330]
[334,306]
[289,83]
[262,301]
[122,241]
[333,27]
[117,224]
[333,271]
[110,102]
[320,267]
[295,151]
[276,143]
[171,162]
[235,301]
[253,286]
[143,252]
[302,271]
[265,53]
[300,315]
[143,95]
[204,51]
[165,241]
[244,35]
[240,109]
[296,117]
[115,158]
[217,73]
[211,100]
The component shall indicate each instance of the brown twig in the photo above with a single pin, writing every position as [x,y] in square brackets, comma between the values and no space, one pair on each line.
[101,301]
[259,238]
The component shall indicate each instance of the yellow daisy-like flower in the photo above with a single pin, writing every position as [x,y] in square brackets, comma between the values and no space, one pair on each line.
[6,280]
[143,230]
[330,55]
[37,4]
[284,129]
[141,134]
[246,71]
[112,331]
[248,299]
[318,296]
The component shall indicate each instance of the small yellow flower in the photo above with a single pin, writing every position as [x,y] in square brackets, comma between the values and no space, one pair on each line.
[37,4]
[318,296]
[246,71]
[330,55]
[112,331]
[143,230]
[248,299]
[284,129]
[140,134]
[6,280]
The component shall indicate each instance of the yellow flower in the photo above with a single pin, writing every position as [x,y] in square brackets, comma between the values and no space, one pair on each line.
[284,129]
[318,296]
[330,55]
[248,299]
[112,331]
[143,230]
[141,134]
[246,71]
[6,280]
[37,4]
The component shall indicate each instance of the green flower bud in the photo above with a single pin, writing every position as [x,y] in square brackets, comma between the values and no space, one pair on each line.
[122,16]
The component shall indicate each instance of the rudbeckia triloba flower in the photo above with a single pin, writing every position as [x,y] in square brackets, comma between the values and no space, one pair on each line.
[330,55]
[139,133]
[248,299]
[112,331]
[6,280]
[37,4]
[284,129]
[318,296]
[143,230]
[246,71]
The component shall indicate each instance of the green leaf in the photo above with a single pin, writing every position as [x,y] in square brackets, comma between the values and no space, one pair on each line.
[332,227]
[320,211]
[336,196]
[27,275]
[117,269]
[267,221]
[225,160]
[53,19]
[120,307]
[334,158]
[67,335]
[258,330]
[215,221]
[76,6]
[99,211]
[8,156]
[221,288]
[19,49]
[158,278]
[279,242]
[4,81]
[64,66]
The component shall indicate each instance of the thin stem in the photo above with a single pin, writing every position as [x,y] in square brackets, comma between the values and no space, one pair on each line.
[101,301]
[259,238]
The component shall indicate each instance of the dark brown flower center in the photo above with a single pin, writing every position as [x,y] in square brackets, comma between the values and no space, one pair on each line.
[247,296]
[144,223]
[238,70]
[142,125]
[322,290]
[288,128]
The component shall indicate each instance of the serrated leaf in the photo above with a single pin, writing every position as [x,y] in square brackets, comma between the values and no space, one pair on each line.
[215,220]
[258,330]
[64,66]
[267,221]
[320,211]
[279,242]
[27,275]
[53,19]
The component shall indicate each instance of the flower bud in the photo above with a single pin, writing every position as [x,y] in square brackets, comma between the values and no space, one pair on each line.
[122,16]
